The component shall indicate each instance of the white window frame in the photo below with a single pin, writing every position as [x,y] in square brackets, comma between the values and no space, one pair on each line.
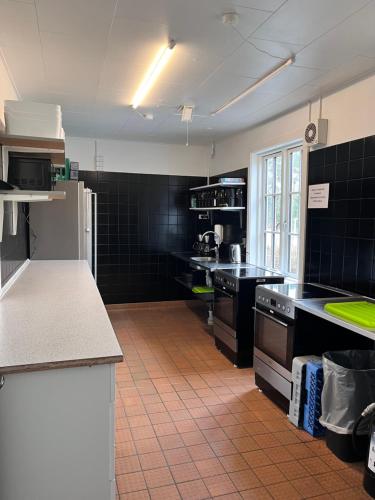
[285,152]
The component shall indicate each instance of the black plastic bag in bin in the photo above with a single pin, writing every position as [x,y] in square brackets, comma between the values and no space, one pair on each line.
[349,387]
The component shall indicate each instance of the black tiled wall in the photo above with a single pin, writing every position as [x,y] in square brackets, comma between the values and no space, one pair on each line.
[14,250]
[141,220]
[341,239]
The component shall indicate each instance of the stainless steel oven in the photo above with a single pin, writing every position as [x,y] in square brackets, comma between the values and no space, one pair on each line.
[273,351]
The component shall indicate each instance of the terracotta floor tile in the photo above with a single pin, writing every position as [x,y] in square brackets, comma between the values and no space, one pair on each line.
[256,494]
[137,495]
[283,491]
[192,438]
[184,472]
[222,448]
[127,483]
[152,460]
[200,452]
[124,465]
[219,485]
[125,449]
[164,493]
[171,441]
[199,412]
[293,470]
[245,444]
[147,445]
[233,463]
[308,487]
[177,456]
[165,429]
[186,425]
[269,474]
[143,432]
[193,490]
[158,477]
[256,458]
[160,418]
[245,480]
[235,431]
[332,482]
[209,467]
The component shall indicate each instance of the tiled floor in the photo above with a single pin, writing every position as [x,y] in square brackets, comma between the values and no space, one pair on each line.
[191,426]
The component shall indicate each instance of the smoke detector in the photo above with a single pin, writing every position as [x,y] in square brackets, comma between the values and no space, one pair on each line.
[230,18]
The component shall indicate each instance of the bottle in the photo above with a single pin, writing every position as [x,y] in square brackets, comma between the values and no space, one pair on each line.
[239,197]
[193,201]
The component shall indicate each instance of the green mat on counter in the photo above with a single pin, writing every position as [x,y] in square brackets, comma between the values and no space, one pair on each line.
[202,289]
[362,313]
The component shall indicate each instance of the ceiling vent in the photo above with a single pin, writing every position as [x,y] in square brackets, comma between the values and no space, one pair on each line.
[316,132]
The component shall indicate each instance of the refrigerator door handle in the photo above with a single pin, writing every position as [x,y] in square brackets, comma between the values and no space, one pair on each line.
[95,260]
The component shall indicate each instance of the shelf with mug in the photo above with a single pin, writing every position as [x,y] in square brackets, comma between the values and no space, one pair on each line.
[227,209]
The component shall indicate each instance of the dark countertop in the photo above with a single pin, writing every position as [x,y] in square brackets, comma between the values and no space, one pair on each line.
[208,266]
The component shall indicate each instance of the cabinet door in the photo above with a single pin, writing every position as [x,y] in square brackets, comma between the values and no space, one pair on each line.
[56,437]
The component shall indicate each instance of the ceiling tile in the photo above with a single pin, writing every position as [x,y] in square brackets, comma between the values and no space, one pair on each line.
[18,23]
[301,21]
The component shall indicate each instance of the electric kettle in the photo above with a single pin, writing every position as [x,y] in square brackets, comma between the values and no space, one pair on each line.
[235,253]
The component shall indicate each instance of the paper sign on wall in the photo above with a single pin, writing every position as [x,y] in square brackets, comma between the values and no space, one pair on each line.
[318,196]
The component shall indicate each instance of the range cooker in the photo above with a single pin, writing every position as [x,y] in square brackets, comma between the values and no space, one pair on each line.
[283,332]
[233,310]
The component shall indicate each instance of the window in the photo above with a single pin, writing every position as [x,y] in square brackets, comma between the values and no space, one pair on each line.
[281,200]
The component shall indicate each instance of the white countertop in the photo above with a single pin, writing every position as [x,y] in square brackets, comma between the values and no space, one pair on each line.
[53,317]
[316,307]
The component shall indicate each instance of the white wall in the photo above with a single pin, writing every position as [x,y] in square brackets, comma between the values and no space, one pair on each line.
[7,89]
[350,113]
[139,157]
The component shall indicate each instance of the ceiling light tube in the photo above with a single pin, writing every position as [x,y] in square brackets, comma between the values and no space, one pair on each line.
[153,72]
[255,85]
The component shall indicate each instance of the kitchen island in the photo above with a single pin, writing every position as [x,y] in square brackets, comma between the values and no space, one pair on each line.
[57,355]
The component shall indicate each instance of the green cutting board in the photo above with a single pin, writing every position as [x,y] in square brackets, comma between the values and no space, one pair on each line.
[362,313]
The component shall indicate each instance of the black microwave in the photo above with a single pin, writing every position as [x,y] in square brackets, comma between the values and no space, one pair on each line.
[30,171]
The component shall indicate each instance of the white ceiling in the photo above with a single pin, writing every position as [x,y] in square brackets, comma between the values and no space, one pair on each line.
[90,55]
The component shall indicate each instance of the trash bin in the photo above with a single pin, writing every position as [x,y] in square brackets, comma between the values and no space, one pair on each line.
[349,387]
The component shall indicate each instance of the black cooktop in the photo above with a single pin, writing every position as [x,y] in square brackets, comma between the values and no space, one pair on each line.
[299,291]
[250,272]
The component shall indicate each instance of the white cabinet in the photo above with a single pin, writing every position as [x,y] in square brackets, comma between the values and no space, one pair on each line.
[57,434]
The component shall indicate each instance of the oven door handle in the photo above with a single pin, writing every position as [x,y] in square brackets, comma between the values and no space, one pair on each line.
[224,292]
[271,317]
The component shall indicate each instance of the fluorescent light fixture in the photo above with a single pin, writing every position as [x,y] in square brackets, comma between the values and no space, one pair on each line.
[255,85]
[153,72]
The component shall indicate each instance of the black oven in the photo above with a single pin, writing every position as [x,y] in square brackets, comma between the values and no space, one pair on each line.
[226,307]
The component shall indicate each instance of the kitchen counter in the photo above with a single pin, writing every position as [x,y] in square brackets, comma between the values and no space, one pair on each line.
[209,266]
[53,317]
[316,307]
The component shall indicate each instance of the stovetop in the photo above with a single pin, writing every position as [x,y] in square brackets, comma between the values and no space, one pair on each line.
[281,297]
[251,272]
[299,291]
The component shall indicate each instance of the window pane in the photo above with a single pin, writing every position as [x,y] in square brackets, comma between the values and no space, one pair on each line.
[269,213]
[276,258]
[294,213]
[270,175]
[277,213]
[293,254]
[278,175]
[296,158]
[268,250]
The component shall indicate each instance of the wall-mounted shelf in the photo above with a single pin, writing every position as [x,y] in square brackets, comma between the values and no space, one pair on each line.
[218,184]
[227,209]
[23,196]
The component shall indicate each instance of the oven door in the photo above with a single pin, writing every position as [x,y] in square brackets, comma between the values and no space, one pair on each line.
[274,338]
[225,308]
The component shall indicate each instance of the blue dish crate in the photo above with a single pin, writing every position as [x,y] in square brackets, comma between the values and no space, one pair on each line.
[313,406]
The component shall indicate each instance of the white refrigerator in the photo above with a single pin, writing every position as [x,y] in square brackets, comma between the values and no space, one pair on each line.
[65,229]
